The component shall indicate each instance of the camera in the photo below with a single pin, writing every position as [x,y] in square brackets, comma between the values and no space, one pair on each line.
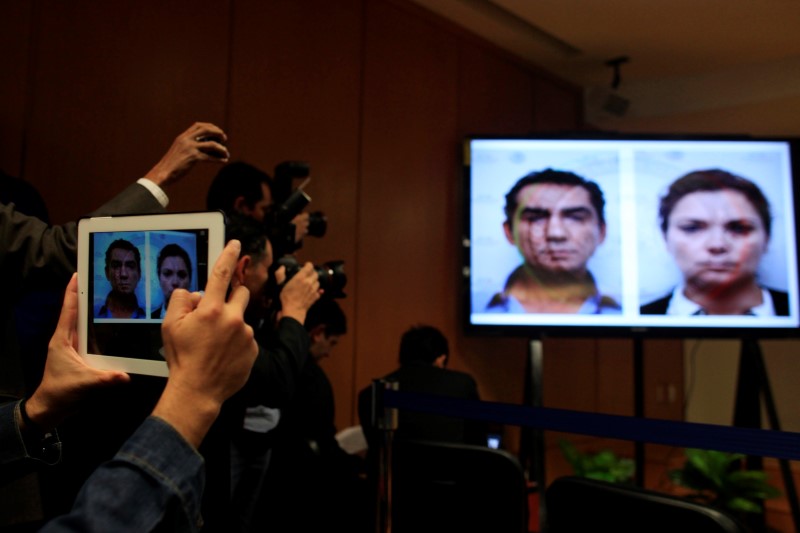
[332,277]
[289,203]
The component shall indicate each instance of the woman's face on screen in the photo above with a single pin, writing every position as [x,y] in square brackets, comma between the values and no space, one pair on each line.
[717,238]
[174,274]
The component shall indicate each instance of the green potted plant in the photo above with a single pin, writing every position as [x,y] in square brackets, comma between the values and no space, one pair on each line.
[715,479]
[604,465]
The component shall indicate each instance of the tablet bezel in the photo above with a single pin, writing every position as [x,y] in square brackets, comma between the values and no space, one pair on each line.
[212,222]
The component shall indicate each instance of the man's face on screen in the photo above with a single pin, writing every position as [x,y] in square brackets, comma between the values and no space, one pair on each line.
[174,274]
[122,271]
[556,228]
[717,238]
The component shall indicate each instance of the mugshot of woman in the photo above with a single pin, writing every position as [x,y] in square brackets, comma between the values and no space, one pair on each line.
[174,272]
[716,226]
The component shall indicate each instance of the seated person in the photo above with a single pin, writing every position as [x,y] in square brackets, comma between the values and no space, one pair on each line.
[123,271]
[423,360]
[556,219]
[716,226]
[174,272]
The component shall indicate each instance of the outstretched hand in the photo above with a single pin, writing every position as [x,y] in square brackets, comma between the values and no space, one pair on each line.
[209,349]
[67,377]
[203,141]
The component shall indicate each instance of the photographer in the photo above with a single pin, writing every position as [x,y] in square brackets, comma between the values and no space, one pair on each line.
[240,188]
[283,349]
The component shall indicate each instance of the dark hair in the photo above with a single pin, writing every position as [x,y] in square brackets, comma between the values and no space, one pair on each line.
[556,177]
[173,250]
[422,344]
[235,180]
[122,244]
[250,233]
[709,181]
[326,312]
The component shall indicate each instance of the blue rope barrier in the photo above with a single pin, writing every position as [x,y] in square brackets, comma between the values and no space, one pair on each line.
[757,442]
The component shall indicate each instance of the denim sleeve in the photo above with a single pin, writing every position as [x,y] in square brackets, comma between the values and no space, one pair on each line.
[154,482]
[18,457]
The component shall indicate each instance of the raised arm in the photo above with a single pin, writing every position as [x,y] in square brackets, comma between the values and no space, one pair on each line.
[156,479]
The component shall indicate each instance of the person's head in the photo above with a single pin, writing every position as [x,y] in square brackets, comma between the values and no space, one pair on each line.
[556,219]
[424,344]
[241,188]
[325,323]
[255,259]
[716,225]
[123,266]
[174,270]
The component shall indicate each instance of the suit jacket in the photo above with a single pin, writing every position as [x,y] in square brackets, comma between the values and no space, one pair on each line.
[33,254]
[426,379]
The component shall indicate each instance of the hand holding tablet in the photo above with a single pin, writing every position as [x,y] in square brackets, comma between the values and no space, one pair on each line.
[66,375]
[209,349]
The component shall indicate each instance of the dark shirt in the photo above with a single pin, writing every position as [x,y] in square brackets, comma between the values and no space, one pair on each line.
[426,379]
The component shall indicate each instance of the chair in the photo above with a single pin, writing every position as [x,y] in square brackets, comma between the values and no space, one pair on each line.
[576,504]
[440,487]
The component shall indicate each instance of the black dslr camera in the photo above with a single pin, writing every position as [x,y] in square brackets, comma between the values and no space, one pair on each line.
[332,278]
[288,203]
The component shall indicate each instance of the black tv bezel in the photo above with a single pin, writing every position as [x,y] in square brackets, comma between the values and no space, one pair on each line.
[610,331]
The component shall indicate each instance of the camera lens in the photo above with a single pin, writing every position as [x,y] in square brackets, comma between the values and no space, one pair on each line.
[332,277]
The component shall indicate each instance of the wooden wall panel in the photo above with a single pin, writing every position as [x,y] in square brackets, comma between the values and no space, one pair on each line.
[408,183]
[15,40]
[114,84]
[557,107]
[295,94]
[494,93]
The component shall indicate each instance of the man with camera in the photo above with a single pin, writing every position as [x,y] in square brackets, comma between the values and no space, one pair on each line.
[240,188]
[238,450]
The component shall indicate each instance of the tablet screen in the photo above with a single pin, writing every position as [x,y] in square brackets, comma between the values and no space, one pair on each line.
[132,275]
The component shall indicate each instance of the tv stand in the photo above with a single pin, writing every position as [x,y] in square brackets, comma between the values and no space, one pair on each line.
[532,449]
[751,387]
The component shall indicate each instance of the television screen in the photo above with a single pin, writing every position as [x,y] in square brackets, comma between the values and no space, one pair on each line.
[630,235]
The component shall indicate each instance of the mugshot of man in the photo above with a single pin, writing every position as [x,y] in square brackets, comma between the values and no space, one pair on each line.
[556,220]
[174,270]
[123,271]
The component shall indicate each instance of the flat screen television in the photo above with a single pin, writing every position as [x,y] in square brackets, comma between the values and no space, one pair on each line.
[689,236]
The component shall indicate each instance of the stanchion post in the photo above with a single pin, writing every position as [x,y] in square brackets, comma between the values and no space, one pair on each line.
[386,421]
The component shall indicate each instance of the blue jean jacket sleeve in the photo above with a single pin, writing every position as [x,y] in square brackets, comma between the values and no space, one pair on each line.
[154,482]
[18,457]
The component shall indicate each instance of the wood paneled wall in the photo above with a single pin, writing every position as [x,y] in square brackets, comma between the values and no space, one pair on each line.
[375,94]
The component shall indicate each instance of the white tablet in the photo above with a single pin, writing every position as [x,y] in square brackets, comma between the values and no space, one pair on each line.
[128,267]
